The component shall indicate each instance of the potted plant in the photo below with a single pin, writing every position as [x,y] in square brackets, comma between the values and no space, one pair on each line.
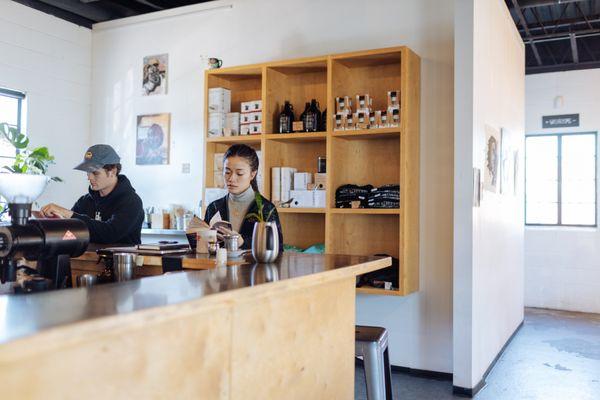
[265,236]
[27,178]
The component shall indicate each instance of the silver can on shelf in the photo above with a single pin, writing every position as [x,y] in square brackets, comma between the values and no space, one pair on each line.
[86,280]
[123,265]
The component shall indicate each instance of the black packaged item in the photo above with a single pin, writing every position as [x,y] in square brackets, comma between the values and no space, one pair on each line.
[386,196]
[323,123]
[346,194]
[379,278]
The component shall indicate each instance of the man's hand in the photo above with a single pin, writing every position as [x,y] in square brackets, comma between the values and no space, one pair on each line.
[53,211]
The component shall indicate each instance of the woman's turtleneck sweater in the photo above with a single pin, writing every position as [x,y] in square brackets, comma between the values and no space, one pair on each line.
[238,205]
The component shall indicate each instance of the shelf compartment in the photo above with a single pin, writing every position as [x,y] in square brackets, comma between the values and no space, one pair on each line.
[247,139]
[366,211]
[374,73]
[299,137]
[245,84]
[301,155]
[213,147]
[359,234]
[302,229]
[377,133]
[377,291]
[363,162]
[298,210]
[297,82]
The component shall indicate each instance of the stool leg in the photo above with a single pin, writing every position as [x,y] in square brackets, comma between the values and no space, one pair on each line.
[374,371]
[388,375]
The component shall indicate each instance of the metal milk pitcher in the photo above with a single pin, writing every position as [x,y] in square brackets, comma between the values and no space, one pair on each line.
[265,242]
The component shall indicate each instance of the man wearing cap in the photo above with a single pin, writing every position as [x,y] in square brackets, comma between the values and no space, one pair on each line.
[112,211]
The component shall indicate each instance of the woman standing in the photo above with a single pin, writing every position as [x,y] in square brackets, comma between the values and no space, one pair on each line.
[240,166]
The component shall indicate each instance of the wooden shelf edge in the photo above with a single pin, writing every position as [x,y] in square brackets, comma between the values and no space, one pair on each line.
[366,211]
[377,291]
[299,137]
[298,210]
[367,133]
[235,139]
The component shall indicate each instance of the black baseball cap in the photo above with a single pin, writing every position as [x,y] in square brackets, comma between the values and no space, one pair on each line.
[97,157]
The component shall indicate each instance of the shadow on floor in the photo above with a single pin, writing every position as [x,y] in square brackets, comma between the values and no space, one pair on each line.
[555,356]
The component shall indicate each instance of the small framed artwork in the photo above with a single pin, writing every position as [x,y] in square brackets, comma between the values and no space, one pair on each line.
[153,139]
[155,74]
[491,169]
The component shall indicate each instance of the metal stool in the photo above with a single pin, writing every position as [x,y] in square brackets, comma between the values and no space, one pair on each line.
[371,342]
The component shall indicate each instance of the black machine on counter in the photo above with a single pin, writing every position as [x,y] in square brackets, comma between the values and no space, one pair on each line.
[48,242]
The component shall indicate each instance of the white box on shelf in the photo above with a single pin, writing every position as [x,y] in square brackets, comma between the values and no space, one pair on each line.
[251,118]
[232,123]
[245,129]
[255,129]
[251,106]
[219,100]
[276,185]
[319,197]
[301,180]
[216,123]
[287,182]
[218,161]
[301,198]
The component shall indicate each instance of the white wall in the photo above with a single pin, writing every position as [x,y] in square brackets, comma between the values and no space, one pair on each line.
[50,60]
[488,240]
[562,265]
[263,30]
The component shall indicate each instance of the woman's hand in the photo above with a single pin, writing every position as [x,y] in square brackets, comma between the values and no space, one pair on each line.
[55,211]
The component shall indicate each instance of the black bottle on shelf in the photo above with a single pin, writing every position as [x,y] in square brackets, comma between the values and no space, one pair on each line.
[313,116]
[286,118]
[323,123]
[303,116]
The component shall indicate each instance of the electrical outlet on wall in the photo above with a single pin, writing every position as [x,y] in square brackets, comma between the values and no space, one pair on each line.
[185,168]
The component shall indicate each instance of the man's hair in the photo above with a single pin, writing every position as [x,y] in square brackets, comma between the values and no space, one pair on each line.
[110,167]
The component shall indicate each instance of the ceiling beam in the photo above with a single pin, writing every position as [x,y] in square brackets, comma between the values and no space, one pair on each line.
[58,12]
[549,37]
[542,3]
[524,24]
[564,23]
[574,51]
[538,69]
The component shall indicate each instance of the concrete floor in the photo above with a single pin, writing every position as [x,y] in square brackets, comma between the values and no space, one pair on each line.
[555,356]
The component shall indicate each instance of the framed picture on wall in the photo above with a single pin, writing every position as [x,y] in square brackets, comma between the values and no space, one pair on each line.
[155,74]
[153,139]
[491,168]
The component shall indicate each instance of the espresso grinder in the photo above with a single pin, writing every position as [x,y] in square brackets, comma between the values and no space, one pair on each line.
[48,242]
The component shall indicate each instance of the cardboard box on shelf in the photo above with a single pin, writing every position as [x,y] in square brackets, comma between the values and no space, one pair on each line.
[301,180]
[255,129]
[216,123]
[232,124]
[251,106]
[321,180]
[219,100]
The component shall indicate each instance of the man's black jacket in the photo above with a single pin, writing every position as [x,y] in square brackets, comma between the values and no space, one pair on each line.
[116,218]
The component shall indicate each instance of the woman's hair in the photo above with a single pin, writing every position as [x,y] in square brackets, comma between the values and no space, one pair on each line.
[247,152]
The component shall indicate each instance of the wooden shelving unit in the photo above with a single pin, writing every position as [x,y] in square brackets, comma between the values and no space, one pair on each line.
[373,156]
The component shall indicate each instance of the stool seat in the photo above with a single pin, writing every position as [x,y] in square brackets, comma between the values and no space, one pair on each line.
[371,343]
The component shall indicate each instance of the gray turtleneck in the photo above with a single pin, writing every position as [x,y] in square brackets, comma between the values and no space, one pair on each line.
[238,205]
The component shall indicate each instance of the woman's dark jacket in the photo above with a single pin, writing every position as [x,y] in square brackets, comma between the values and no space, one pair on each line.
[247,227]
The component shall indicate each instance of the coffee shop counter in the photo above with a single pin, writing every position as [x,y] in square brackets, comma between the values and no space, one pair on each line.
[147,265]
[251,331]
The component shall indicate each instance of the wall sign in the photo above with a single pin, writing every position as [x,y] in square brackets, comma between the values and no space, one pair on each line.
[560,121]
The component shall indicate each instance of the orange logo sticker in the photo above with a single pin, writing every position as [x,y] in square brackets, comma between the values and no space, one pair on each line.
[69,236]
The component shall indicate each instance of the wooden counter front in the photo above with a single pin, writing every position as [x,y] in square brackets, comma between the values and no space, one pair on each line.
[261,331]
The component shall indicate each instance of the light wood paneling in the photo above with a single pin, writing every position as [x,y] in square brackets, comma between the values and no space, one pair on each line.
[303,229]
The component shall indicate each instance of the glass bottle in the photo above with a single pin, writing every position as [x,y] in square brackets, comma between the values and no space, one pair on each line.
[313,117]
[303,116]
[323,124]
[286,118]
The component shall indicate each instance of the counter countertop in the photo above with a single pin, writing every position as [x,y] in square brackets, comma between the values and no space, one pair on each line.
[25,315]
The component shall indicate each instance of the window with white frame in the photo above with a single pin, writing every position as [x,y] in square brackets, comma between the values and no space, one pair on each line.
[560,179]
[11,106]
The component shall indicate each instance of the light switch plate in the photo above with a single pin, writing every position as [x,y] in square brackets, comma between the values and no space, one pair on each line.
[185,168]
